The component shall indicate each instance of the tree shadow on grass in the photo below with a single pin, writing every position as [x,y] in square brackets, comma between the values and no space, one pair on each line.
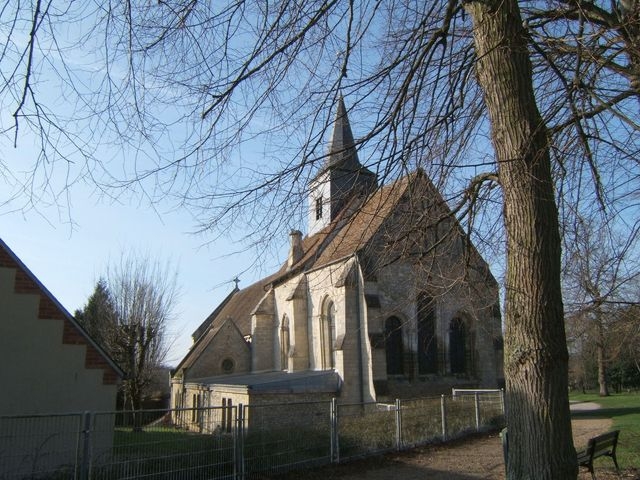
[605,412]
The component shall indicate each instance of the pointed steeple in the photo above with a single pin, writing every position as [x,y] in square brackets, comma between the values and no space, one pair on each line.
[342,149]
[342,176]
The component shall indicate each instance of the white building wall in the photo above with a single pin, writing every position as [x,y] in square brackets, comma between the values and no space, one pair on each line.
[319,188]
[321,287]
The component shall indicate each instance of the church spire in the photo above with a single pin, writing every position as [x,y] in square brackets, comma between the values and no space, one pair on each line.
[342,177]
[342,149]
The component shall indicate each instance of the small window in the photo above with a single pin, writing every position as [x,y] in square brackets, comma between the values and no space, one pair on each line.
[227,365]
[318,208]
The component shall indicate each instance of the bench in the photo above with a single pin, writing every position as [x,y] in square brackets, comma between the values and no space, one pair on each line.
[601,446]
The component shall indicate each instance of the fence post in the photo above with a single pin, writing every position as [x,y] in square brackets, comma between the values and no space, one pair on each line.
[239,444]
[477,405]
[443,411]
[85,455]
[398,425]
[333,420]
[502,402]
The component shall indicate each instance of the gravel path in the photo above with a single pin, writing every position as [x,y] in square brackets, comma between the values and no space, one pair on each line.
[477,457]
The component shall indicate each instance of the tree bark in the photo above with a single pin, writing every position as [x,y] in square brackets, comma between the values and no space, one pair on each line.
[602,368]
[602,373]
[536,358]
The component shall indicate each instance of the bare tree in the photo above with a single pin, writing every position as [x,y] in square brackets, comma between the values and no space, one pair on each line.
[626,339]
[143,294]
[600,273]
[127,314]
[428,78]
[615,339]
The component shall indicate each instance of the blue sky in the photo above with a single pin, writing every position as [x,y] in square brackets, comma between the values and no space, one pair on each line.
[54,217]
[69,261]
[70,233]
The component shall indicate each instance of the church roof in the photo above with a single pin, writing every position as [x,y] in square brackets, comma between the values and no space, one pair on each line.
[202,328]
[308,381]
[362,225]
[347,234]
[237,306]
[351,232]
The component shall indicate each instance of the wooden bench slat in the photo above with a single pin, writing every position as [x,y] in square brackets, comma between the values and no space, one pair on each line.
[599,446]
[602,451]
[583,456]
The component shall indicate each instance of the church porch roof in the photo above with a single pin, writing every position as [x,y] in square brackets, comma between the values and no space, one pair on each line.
[310,381]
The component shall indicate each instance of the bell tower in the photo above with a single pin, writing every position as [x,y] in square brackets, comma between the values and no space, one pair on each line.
[341,177]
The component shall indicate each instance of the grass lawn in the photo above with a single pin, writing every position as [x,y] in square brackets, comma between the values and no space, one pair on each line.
[624,410]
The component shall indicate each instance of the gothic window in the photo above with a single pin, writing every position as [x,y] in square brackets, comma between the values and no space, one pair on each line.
[393,346]
[457,345]
[285,343]
[427,341]
[318,208]
[328,334]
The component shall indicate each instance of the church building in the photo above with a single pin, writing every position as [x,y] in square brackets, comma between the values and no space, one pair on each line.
[383,298]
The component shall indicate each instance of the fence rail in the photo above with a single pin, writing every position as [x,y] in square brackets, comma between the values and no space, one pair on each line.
[231,442]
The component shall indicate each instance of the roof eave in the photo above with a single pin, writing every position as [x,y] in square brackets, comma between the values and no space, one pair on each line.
[70,318]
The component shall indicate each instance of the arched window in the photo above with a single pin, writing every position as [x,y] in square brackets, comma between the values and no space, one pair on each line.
[458,345]
[285,343]
[328,334]
[393,346]
[427,340]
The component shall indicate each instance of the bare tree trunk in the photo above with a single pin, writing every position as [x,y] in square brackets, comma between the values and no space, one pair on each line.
[602,368]
[536,358]
[602,372]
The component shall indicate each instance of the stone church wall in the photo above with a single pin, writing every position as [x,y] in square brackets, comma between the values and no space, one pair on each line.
[455,277]
[321,286]
[291,301]
[227,344]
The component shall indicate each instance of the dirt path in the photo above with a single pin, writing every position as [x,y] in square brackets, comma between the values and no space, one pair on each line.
[478,457]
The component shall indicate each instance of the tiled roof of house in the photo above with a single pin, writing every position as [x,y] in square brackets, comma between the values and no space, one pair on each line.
[201,343]
[238,307]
